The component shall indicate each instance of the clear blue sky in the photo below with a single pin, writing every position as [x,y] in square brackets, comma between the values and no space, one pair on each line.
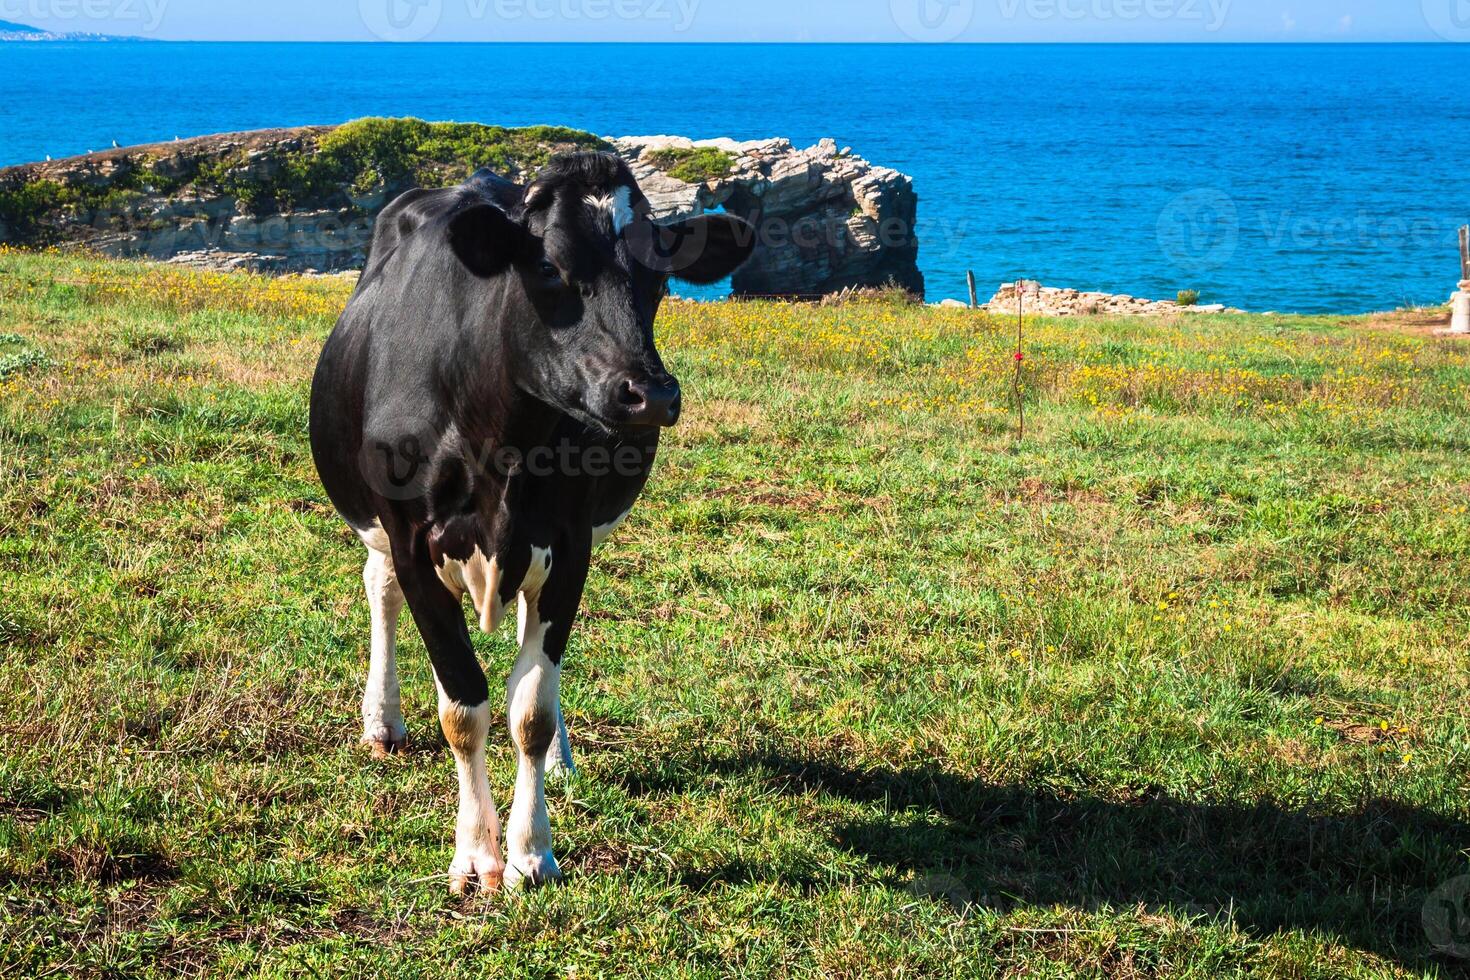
[757,20]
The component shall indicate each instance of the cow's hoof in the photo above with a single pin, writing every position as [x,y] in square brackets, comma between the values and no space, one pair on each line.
[475,873]
[385,740]
[531,871]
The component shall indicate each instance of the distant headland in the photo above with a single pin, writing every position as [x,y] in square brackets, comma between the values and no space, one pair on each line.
[11,31]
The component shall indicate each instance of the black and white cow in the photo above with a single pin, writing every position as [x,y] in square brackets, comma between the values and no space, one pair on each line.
[484,414]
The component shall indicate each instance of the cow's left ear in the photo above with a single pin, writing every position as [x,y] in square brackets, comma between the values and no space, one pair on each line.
[485,239]
[708,248]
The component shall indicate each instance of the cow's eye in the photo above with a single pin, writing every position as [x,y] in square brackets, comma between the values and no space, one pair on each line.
[549,271]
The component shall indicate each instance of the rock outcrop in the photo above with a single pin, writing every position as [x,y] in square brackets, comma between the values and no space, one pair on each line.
[1053,301]
[304,199]
[827,220]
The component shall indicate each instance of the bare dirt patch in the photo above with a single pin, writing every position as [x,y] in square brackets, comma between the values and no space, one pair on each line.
[1421,323]
[716,418]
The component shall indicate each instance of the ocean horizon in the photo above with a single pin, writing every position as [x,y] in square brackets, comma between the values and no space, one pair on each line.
[1307,177]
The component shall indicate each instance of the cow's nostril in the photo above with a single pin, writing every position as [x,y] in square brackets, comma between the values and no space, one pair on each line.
[631,394]
[649,402]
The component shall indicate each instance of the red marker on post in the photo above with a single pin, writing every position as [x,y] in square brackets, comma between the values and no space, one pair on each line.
[1022,287]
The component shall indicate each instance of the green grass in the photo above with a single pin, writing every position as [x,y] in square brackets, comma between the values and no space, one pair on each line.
[693,165]
[371,154]
[1175,687]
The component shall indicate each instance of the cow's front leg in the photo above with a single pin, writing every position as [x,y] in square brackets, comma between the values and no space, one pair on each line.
[534,713]
[477,859]
[464,713]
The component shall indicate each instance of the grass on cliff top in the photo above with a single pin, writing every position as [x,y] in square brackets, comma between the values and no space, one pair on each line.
[693,165]
[368,155]
[1176,687]
[359,158]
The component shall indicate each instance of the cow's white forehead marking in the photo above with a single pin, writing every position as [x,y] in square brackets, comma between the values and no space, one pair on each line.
[617,206]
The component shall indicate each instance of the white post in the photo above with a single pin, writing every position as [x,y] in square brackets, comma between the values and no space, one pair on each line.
[1460,305]
[1460,302]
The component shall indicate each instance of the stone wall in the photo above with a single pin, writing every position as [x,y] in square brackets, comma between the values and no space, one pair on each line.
[826,219]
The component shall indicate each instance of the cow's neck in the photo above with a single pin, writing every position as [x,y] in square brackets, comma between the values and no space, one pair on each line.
[512,419]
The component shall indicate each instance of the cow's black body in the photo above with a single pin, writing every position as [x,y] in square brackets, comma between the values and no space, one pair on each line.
[412,406]
[488,403]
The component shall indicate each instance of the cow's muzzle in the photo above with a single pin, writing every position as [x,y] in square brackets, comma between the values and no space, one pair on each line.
[650,402]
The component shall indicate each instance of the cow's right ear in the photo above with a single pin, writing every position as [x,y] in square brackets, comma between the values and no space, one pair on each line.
[485,239]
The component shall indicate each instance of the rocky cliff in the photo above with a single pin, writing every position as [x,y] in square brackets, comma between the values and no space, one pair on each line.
[827,219]
[304,199]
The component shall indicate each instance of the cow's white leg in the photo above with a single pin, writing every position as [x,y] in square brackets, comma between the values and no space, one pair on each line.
[533,710]
[477,857]
[382,714]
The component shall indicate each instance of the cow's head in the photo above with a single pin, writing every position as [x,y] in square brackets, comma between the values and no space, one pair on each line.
[585,268]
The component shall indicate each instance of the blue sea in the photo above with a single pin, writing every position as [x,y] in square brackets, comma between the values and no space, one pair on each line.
[1314,178]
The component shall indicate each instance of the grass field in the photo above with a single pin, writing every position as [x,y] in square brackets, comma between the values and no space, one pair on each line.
[1177,686]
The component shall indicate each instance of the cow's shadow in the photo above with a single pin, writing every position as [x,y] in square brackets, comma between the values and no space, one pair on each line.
[1359,877]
